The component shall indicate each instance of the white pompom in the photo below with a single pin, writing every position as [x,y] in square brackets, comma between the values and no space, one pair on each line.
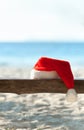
[71,95]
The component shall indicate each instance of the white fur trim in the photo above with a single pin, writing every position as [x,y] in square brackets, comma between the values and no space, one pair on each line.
[71,95]
[35,74]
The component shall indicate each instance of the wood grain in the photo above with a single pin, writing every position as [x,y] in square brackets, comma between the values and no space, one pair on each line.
[37,86]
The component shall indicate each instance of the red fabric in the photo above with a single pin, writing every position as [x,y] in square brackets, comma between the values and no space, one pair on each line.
[61,67]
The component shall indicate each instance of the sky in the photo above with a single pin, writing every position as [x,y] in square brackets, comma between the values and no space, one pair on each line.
[34,20]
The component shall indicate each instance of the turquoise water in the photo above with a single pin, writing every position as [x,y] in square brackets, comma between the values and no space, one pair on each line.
[20,54]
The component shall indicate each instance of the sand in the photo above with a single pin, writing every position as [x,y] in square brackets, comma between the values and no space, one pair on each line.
[8,72]
[15,72]
[43,111]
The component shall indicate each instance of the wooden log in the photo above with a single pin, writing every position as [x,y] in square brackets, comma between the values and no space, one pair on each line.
[21,86]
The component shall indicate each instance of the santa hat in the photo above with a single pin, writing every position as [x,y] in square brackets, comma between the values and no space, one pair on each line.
[61,67]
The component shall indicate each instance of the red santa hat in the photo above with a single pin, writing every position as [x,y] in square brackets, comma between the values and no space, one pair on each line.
[61,67]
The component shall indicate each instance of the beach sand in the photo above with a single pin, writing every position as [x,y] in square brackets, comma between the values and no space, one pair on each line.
[43,111]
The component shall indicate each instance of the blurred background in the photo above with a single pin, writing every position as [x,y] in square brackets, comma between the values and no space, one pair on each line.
[31,29]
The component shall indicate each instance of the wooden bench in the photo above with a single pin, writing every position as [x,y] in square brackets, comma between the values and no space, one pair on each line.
[21,86]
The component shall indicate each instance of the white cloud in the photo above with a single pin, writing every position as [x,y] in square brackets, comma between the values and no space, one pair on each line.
[41,20]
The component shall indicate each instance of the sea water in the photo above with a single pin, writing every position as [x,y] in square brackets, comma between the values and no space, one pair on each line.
[27,53]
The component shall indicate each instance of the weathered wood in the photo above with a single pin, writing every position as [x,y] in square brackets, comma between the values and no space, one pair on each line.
[37,86]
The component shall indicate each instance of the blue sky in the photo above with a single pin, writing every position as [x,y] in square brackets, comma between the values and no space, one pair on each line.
[30,20]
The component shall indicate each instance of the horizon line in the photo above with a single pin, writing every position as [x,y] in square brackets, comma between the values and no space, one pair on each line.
[46,41]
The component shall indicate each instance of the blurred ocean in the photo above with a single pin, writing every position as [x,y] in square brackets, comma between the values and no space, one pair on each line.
[28,53]
[17,59]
